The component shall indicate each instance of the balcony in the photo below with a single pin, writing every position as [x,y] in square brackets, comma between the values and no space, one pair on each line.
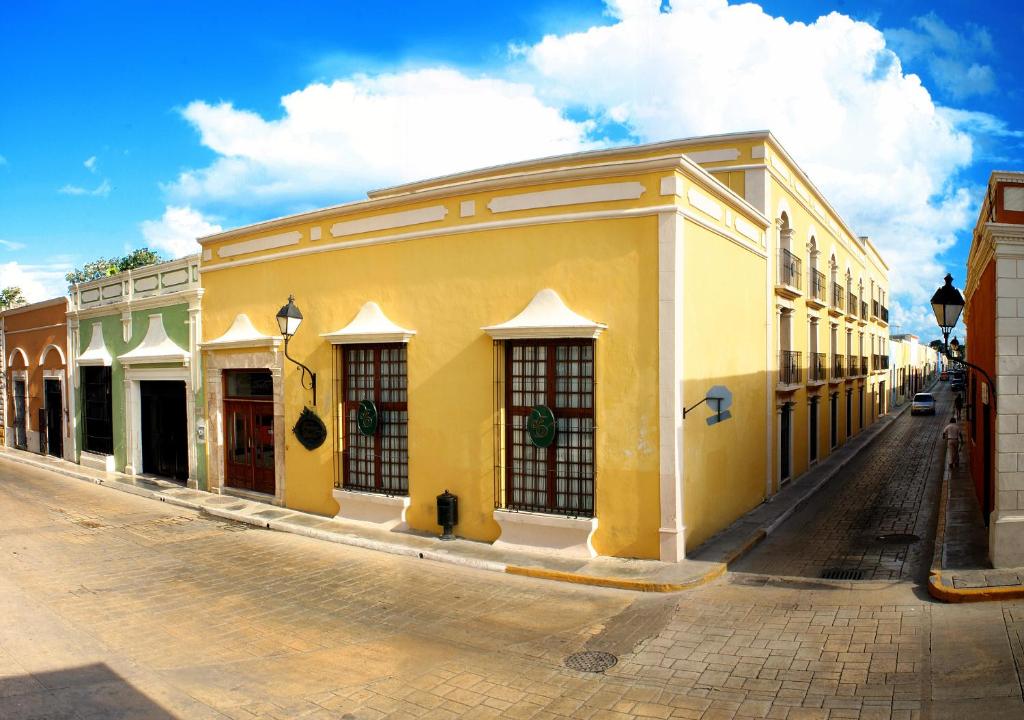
[838,372]
[881,363]
[816,373]
[865,368]
[874,309]
[883,314]
[851,305]
[863,318]
[817,298]
[838,293]
[789,274]
[789,367]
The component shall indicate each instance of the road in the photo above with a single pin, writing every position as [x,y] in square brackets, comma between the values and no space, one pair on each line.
[120,606]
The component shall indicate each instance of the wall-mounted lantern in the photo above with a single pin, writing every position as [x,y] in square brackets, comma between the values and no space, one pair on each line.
[288,320]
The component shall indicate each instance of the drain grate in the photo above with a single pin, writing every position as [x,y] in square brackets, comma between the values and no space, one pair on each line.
[842,574]
[898,539]
[590,661]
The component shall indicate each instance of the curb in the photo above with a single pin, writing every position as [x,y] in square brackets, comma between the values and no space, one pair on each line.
[635,585]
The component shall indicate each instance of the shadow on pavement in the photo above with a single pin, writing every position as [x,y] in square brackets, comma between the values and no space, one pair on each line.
[78,693]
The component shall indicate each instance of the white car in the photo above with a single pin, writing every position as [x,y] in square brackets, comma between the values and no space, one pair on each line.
[923,404]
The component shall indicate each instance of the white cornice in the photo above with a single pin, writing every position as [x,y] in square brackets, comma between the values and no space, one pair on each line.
[546,316]
[149,302]
[156,346]
[618,168]
[370,325]
[242,334]
[34,306]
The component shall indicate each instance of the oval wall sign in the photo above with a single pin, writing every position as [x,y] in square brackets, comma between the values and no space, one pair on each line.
[310,430]
[367,418]
[540,426]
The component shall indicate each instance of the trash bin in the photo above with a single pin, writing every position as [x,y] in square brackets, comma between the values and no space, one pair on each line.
[447,513]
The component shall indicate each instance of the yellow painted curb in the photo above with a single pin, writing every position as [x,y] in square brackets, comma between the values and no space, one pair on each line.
[940,591]
[621,584]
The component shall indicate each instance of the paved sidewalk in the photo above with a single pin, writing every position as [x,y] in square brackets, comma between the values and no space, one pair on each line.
[961,571]
[709,562]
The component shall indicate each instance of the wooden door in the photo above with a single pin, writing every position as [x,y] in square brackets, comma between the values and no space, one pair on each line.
[238,450]
[20,412]
[54,417]
[249,445]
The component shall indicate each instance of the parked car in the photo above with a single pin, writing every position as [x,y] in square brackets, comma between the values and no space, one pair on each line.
[923,404]
[957,384]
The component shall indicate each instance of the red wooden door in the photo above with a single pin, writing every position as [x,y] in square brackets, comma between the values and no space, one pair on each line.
[249,445]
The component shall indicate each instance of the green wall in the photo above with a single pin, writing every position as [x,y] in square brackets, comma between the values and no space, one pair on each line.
[175,319]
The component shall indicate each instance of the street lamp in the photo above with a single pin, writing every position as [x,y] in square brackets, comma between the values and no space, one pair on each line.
[954,348]
[947,304]
[288,320]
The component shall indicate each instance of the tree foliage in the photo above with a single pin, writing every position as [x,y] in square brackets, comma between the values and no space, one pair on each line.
[103,267]
[12,296]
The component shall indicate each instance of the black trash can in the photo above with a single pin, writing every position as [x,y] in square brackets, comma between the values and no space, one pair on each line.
[447,513]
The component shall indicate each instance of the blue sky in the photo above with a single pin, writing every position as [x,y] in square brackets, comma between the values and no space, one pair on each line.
[134,123]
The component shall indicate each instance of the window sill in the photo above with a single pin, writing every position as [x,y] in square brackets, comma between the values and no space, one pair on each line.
[556,534]
[384,511]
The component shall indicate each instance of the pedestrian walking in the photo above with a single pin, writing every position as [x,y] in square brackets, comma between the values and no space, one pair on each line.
[958,404]
[952,434]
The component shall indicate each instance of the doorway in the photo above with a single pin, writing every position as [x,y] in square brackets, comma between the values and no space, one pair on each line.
[834,420]
[784,444]
[53,410]
[814,429]
[249,431]
[164,428]
[20,415]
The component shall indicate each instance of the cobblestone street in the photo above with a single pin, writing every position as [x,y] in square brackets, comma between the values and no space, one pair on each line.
[119,606]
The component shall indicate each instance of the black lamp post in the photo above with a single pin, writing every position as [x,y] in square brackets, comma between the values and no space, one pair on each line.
[288,320]
[947,304]
[954,348]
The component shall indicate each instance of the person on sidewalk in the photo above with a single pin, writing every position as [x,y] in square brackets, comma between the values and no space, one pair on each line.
[952,434]
[958,404]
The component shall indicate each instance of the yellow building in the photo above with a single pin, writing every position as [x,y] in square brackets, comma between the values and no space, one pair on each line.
[529,336]
[913,367]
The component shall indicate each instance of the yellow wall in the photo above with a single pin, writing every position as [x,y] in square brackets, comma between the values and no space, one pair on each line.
[724,339]
[446,288]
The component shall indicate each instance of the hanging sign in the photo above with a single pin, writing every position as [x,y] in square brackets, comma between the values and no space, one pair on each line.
[540,426]
[310,430]
[367,418]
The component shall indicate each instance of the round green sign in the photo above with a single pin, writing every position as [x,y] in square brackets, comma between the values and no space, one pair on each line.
[367,418]
[540,426]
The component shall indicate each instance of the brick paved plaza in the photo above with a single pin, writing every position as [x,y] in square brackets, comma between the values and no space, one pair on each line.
[119,606]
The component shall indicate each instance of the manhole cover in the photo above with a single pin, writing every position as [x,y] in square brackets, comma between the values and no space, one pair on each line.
[842,574]
[898,539]
[591,661]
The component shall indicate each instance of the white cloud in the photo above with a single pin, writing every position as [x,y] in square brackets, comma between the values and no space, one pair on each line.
[101,190]
[355,134]
[175,233]
[11,245]
[870,136]
[37,282]
[953,59]
[90,164]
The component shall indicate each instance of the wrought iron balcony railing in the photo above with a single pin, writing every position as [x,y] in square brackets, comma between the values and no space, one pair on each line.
[818,285]
[816,368]
[789,367]
[789,269]
[838,293]
[837,366]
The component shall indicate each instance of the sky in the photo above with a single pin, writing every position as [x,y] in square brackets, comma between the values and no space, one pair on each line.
[143,123]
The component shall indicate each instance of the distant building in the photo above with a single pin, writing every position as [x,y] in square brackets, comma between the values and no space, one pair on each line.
[912,367]
[994,316]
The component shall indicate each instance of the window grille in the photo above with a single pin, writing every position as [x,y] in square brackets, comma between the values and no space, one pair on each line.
[97,410]
[378,462]
[559,479]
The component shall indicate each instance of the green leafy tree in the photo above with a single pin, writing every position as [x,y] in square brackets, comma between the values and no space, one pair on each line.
[103,267]
[12,297]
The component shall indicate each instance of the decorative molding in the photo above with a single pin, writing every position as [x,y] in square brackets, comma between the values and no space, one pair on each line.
[370,325]
[1013,199]
[17,351]
[672,185]
[242,334]
[315,233]
[748,231]
[757,152]
[564,536]
[207,255]
[268,242]
[546,316]
[386,512]
[46,351]
[671,250]
[703,156]
[156,347]
[467,208]
[780,166]
[605,192]
[96,352]
[704,203]
[487,226]
[151,282]
[175,277]
[389,221]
